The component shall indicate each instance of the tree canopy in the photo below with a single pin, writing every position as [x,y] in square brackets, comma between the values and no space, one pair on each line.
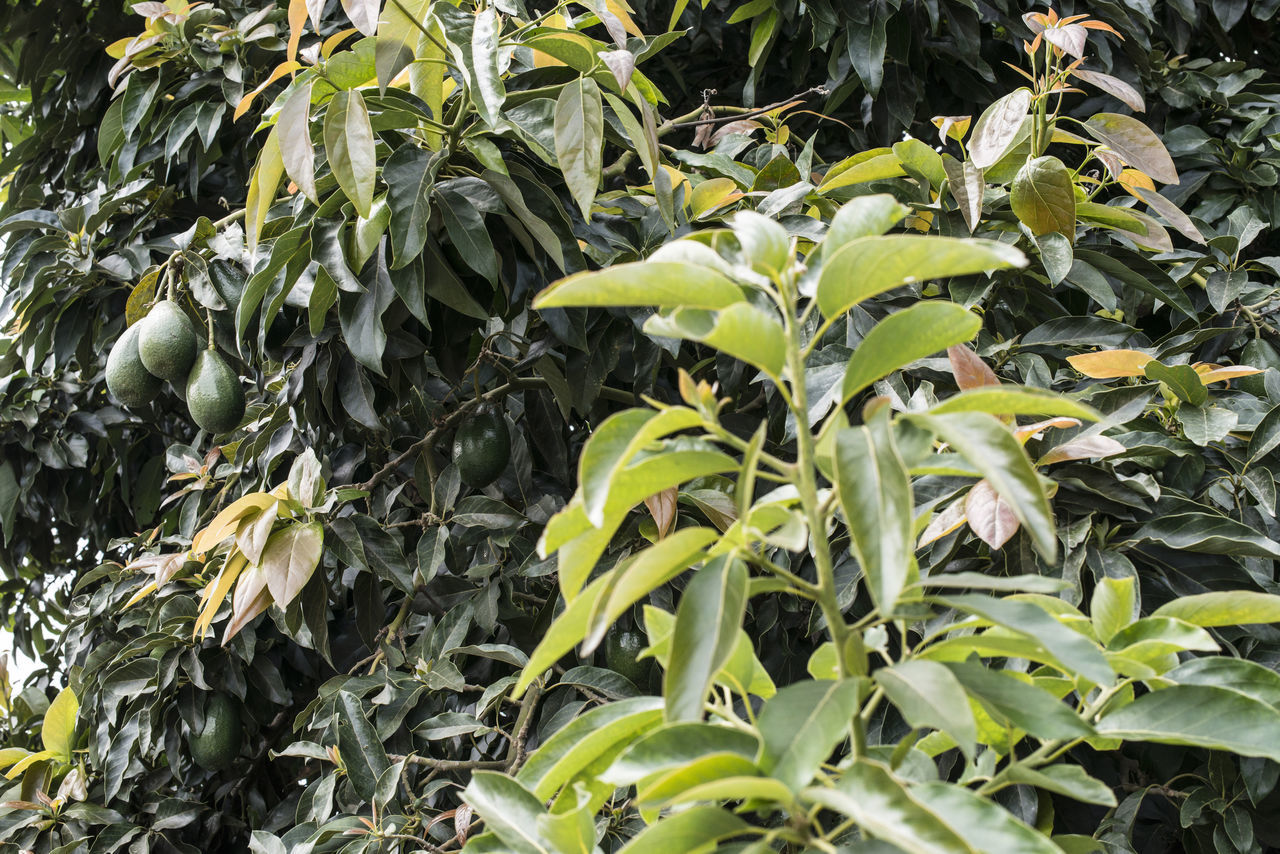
[687,426]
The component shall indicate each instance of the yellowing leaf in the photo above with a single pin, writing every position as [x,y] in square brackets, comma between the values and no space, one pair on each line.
[262,188]
[1213,374]
[226,522]
[1109,364]
[279,71]
[216,591]
[58,731]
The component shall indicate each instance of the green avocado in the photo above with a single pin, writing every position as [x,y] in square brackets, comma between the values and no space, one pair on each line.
[214,396]
[1258,354]
[167,342]
[482,448]
[127,378]
[620,651]
[216,746]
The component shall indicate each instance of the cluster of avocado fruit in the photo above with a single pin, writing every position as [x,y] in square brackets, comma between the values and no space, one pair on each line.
[164,346]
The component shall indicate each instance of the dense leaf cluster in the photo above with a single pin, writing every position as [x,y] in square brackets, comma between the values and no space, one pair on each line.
[360,202]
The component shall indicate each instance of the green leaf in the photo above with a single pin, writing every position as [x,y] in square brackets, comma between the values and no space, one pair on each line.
[1043,197]
[294,123]
[998,127]
[981,822]
[591,739]
[664,284]
[487,92]
[398,33]
[509,810]
[802,724]
[615,442]
[921,162]
[1069,780]
[348,142]
[359,746]
[1198,716]
[692,830]
[669,786]
[930,697]
[1075,652]
[1156,637]
[1015,400]
[1113,606]
[579,135]
[1205,425]
[904,337]
[741,330]
[876,168]
[263,184]
[290,557]
[1026,706]
[1182,380]
[1206,533]
[1056,255]
[864,216]
[996,453]
[409,173]
[967,187]
[674,746]
[868,266]
[467,230]
[1136,144]
[875,496]
[1223,608]
[1235,674]
[58,730]
[604,600]
[707,624]
[880,804]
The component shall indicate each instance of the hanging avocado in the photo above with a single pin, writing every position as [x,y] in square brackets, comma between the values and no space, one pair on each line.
[214,396]
[167,342]
[482,448]
[216,745]
[127,378]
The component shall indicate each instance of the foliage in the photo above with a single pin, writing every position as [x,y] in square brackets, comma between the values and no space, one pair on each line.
[935,475]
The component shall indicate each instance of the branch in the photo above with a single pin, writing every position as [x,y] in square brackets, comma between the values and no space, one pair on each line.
[450,764]
[737,116]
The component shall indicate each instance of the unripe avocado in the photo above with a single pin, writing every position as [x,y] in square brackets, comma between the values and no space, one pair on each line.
[218,744]
[214,396]
[127,378]
[482,448]
[167,342]
[620,651]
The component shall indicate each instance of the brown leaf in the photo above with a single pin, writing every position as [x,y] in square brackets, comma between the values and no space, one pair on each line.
[990,517]
[621,63]
[662,506]
[744,126]
[969,369]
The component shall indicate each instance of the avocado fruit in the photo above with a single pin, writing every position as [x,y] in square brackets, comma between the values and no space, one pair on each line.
[218,743]
[167,342]
[214,396]
[620,650]
[127,378]
[482,448]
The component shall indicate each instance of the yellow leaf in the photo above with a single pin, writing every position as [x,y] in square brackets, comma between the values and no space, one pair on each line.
[297,19]
[143,592]
[29,760]
[10,755]
[623,13]
[280,70]
[58,731]
[1132,179]
[1109,364]
[216,591]
[116,49]
[226,522]
[1213,374]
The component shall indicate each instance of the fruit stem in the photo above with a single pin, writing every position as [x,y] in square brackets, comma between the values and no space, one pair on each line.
[209,319]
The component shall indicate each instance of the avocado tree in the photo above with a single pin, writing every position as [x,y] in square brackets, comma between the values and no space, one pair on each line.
[433,426]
